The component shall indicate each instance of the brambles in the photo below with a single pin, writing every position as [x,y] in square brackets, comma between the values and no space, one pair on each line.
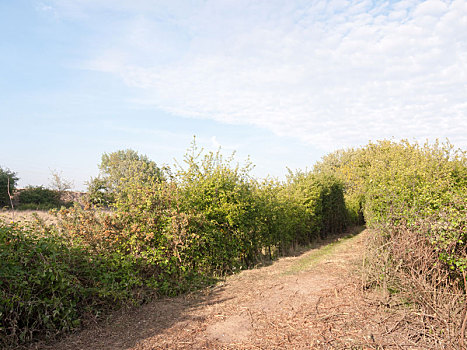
[48,282]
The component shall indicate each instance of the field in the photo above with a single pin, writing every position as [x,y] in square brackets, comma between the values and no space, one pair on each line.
[27,216]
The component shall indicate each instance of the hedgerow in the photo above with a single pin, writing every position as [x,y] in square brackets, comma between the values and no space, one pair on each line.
[415,196]
[170,231]
[48,282]
[163,235]
[40,198]
[398,183]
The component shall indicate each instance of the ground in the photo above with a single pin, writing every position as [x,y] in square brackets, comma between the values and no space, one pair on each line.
[313,300]
[27,216]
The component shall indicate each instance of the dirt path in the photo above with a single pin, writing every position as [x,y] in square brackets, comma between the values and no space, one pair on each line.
[310,301]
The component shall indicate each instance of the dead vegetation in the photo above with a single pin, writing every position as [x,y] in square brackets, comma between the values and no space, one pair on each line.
[429,297]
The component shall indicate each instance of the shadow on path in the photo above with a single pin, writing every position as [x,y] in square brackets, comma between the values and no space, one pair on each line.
[196,312]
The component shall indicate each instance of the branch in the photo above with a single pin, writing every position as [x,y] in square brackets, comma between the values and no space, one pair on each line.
[464,323]
[11,199]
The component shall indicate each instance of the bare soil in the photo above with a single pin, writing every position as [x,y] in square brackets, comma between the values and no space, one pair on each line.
[313,300]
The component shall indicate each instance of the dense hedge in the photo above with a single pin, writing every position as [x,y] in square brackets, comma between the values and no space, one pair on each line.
[168,233]
[48,282]
[40,198]
[423,188]
[164,235]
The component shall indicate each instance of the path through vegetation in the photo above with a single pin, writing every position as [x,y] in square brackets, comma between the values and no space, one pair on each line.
[313,300]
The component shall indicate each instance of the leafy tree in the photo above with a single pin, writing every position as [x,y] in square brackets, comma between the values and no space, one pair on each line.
[98,193]
[8,181]
[119,168]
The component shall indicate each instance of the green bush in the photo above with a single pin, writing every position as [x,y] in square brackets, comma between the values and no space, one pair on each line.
[40,198]
[161,235]
[98,193]
[399,184]
[48,283]
[214,218]
[7,177]
[409,184]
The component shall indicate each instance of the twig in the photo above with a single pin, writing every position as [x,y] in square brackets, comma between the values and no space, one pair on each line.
[395,326]
[464,322]
[11,199]
[316,306]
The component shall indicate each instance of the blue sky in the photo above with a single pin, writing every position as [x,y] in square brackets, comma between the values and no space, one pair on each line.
[282,81]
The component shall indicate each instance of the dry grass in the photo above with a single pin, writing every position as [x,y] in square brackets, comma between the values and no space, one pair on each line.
[430,299]
[25,216]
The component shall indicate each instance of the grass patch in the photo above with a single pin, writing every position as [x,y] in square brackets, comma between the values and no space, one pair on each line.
[319,254]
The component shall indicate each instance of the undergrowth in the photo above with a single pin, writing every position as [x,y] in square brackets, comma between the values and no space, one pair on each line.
[48,282]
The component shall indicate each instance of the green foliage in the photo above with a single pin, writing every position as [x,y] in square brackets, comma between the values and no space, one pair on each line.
[410,185]
[401,184]
[350,168]
[161,235]
[213,218]
[6,177]
[126,163]
[98,193]
[408,182]
[222,192]
[48,282]
[40,198]
[116,169]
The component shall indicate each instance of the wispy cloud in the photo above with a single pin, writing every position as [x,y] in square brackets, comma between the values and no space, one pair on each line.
[330,73]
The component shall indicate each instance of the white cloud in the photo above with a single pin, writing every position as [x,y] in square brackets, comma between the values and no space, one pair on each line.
[332,74]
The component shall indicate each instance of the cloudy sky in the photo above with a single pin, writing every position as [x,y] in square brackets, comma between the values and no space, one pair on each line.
[282,81]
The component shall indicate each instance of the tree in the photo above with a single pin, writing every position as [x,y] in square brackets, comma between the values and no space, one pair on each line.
[116,170]
[59,183]
[8,181]
[98,192]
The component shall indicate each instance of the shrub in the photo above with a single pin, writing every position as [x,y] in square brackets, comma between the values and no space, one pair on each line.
[415,196]
[163,236]
[49,282]
[6,177]
[40,198]
[98,193]
[115,169]
[408,183]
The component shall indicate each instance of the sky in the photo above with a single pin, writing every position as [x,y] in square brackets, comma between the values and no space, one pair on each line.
[282,81]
